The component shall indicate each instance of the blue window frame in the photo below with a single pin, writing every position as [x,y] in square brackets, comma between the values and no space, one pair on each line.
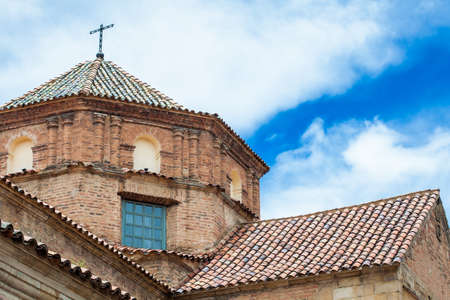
[143,225]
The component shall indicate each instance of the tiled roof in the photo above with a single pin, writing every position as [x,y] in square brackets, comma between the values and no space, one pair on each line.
[376,233]
[4,180]
[95,78]
[41,249]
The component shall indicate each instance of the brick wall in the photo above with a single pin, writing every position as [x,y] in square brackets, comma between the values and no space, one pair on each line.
[197,154]
[168,268]
[105,138]
[91,197]
[62,238]
[427,269]
[38,135]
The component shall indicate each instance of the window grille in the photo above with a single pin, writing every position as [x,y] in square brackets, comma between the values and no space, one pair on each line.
[143,225]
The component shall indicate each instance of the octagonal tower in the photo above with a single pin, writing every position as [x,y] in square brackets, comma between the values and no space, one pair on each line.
[128,162]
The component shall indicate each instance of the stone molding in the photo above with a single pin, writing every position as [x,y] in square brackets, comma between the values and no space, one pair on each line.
[104,170]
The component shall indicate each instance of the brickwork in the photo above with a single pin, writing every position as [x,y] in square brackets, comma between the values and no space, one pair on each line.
[193,149]
[83,147]
[107,138]
[37,132]
[427,269]
[63,239]
[91,197]
[169,269]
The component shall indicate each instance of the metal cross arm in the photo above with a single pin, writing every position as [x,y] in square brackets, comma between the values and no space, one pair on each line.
[100,53]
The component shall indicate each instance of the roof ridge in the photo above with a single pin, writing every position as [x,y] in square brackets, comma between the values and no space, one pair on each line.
[343,207]
[86,89]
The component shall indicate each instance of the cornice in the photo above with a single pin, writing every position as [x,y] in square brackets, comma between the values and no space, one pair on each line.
[173,116]
[124,173]
[38,250]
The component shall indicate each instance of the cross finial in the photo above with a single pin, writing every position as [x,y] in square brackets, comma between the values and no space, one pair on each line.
[100,41]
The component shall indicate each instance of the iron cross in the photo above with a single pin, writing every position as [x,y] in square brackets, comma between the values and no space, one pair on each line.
[100,53]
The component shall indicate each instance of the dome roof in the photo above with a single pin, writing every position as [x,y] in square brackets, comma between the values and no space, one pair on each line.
[95,78]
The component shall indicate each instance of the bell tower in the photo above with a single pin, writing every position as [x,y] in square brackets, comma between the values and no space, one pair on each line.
[128,162]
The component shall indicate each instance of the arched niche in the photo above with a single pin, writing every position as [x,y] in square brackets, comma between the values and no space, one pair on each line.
[235,185]
[20,155]
[147,154]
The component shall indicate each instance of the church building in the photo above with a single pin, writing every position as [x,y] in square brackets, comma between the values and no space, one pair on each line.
[112,190]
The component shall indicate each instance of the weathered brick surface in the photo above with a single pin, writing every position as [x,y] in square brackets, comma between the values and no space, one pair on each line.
[196,150]
[36,131]
[427,269]
[90,197]
[89,136]
[62,238]
[198,155]
[168,268]
[75,129]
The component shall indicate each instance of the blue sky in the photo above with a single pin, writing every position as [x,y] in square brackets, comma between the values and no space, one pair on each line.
[348,101]
[412,98]
[417,86]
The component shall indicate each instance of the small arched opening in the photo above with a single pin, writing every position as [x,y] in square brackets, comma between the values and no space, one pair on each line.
[236,185]
[146,154]
[20,155]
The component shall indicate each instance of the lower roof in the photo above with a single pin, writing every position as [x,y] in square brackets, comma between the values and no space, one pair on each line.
[349,238]
[31,244]
[51,210]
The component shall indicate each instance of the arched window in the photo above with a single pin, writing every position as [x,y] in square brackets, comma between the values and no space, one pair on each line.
[146,154]
[20,155]
[236,186]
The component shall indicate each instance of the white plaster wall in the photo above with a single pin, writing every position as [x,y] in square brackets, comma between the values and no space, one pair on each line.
[20,155]
[146,155]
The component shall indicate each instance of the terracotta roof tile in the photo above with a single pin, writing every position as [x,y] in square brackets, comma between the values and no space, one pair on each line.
[104,286]
[376,233]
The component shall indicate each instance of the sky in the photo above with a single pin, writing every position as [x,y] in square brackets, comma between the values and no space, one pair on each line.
[347,101]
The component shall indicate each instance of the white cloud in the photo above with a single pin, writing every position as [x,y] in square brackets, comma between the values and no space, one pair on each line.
[246,60]
[19,10]
[356,162]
